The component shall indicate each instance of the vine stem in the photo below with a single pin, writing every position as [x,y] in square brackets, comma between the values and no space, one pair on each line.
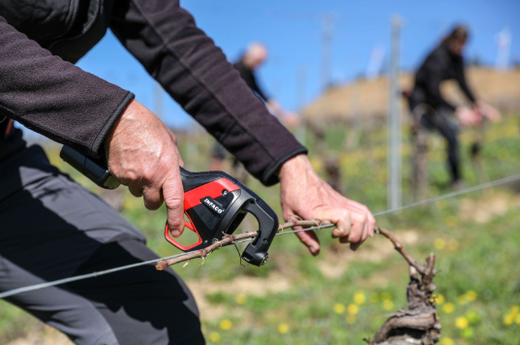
[292,223]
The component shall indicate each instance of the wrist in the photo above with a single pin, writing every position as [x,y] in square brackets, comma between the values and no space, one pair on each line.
[122,125]
[294,167]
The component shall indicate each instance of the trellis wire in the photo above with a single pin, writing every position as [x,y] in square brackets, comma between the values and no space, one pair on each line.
[125,267]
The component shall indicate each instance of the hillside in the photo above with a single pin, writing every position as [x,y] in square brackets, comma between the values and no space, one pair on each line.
[369,99]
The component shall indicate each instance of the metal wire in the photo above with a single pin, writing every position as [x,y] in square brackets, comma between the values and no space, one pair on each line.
[452,194]
[122,268]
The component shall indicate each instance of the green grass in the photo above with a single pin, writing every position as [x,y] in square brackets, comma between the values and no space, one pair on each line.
[341,297]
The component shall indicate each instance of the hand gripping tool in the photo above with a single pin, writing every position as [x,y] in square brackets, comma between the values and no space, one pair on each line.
[214,204]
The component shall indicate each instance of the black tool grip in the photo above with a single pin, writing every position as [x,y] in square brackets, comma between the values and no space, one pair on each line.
[95,170]
[256,253]
[229,198]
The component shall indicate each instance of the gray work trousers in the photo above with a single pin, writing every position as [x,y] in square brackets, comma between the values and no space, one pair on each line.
[52,228]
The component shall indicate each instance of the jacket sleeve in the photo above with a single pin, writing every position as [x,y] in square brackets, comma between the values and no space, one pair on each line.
[432,80]
[54,97]
[461,79]
[257,89]
[165,39]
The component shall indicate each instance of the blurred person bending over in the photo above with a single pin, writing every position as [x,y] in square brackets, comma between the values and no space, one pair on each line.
[52,228]
[443,63]
[254,56]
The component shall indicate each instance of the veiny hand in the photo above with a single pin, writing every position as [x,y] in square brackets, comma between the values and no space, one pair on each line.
[490,112]
[275,107]
[305,194]
[290,119]
[142,154]
[468,117]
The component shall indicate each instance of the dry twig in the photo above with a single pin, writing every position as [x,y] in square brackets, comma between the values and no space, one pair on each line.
[229,239]
[418,324]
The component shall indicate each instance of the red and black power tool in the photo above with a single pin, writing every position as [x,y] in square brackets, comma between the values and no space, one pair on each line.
[214,202]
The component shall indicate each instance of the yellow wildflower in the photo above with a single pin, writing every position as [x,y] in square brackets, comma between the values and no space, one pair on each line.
[514,309]
[241,298]
[359,297]
[461,322]
[439,299]
[451,221]
[283,328]
[226,325]
[439,244]
[471,295]
[509,319]
[339,308]
[352,309]
[462,300]
[447,341]
[448,308]
[453,245]
[214,337]
[388,304]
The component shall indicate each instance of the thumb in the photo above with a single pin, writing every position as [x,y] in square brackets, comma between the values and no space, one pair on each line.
[308,238]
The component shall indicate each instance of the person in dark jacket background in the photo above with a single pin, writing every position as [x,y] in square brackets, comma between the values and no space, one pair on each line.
[255,55]
[443,63]
[52,228]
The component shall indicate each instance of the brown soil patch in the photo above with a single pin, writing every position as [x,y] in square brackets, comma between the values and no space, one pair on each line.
[248,286]
[47,336]
[486,209]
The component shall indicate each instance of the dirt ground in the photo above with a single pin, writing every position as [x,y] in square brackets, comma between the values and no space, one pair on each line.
[378,250]
[45,336]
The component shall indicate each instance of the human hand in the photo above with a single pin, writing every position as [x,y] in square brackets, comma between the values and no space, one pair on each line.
[487,110]
[468,117]
[275,107]
[303,193]
[290,119]
[142,154]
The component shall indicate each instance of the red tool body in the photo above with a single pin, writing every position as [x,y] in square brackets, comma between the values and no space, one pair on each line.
[214,203]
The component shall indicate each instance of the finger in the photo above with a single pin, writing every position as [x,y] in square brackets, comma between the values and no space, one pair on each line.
[310,239]
[173,195]
[152,198]
[360,208]
[136,189]
[356,234]
[338,216]
[371,224]
[359,221]
[355,246]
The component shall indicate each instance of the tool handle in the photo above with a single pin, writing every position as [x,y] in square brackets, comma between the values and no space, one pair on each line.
[95,170]
[256,252]
[188,225]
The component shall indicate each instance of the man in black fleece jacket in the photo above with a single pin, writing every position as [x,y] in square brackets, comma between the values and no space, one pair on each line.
[443,63]
[53,228]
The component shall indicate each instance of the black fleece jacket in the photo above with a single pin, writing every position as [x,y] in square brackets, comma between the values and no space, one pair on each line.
[440,65]
[59,100]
